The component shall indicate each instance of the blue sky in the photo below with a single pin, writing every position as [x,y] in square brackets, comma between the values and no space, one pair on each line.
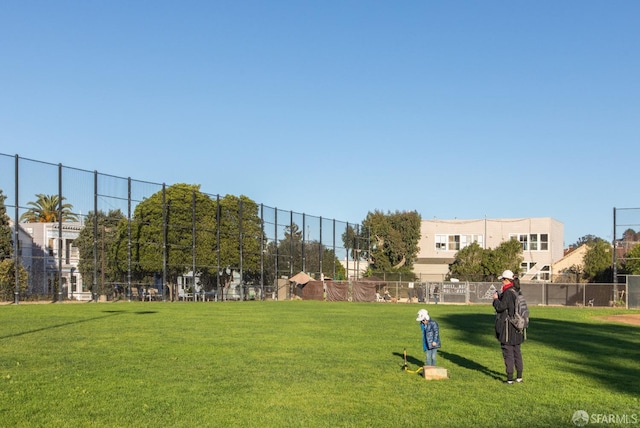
[455,109]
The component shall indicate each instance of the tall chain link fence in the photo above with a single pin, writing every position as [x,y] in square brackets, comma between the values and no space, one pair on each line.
[626,236]
[143,240]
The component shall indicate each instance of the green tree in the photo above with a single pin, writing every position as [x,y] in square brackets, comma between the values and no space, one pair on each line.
[629,240]
[105,241]
[630,235]
[473,263]
[586,239]
[47,208]
[185,209]
[7,264]
[270,254]
[632,261]
[240,224]
[287,252]
[394,236]
[6,241]
[350,240]
[313,251]
[597,261]
[507,255]
[469,263]
[8,278]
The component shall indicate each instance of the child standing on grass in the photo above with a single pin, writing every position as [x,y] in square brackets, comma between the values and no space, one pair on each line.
[430,336]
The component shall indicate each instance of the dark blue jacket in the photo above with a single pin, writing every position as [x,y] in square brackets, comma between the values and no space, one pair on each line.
[430,334]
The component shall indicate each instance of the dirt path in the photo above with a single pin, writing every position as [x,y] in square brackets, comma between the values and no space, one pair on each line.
[633,319]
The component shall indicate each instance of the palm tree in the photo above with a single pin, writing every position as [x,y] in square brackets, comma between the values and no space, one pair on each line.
[45,210]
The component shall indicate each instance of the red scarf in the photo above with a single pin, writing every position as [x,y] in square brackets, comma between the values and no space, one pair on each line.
[505,287]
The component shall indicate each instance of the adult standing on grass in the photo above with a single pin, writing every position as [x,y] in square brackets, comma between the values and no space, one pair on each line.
[510,338]
[430,336]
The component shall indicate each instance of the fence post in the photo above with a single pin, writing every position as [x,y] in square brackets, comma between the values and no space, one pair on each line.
[164,240]
[626,288]
[16,237]
[94,284]
[262,234]
[129,240]
[59,233]
[467,295]
[614,261]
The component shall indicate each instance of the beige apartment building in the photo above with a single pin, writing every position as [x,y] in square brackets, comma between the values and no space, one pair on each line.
[542,242]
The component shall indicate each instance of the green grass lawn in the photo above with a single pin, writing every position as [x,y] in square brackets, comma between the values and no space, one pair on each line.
[304,364]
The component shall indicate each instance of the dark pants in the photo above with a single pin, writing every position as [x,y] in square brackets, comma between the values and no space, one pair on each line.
[512,358]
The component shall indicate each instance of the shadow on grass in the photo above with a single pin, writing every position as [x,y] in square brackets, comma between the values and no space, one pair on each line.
[410,360]
[606,353]
[475,329]
[470,364]
[37,330]
[136,312]
[455,359]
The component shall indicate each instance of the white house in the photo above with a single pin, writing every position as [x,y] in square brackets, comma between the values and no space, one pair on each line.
[38,248]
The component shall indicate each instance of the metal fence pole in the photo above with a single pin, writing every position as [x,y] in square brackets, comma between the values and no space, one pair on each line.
[615,261]
[218,215]
[276,262]
[347,253]
[240,247]
[129,239]
[59,232]
[193,242]
[320,251]
[334,248]
[262,252]
[16,236]
[164,240]
[94,284]
[302,253]
[290,247]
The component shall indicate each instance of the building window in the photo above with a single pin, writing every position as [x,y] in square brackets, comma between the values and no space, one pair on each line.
[524,240]
[542,274]
[67,251]
[545,273]
[456,242]
[532,241]
[544,242]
